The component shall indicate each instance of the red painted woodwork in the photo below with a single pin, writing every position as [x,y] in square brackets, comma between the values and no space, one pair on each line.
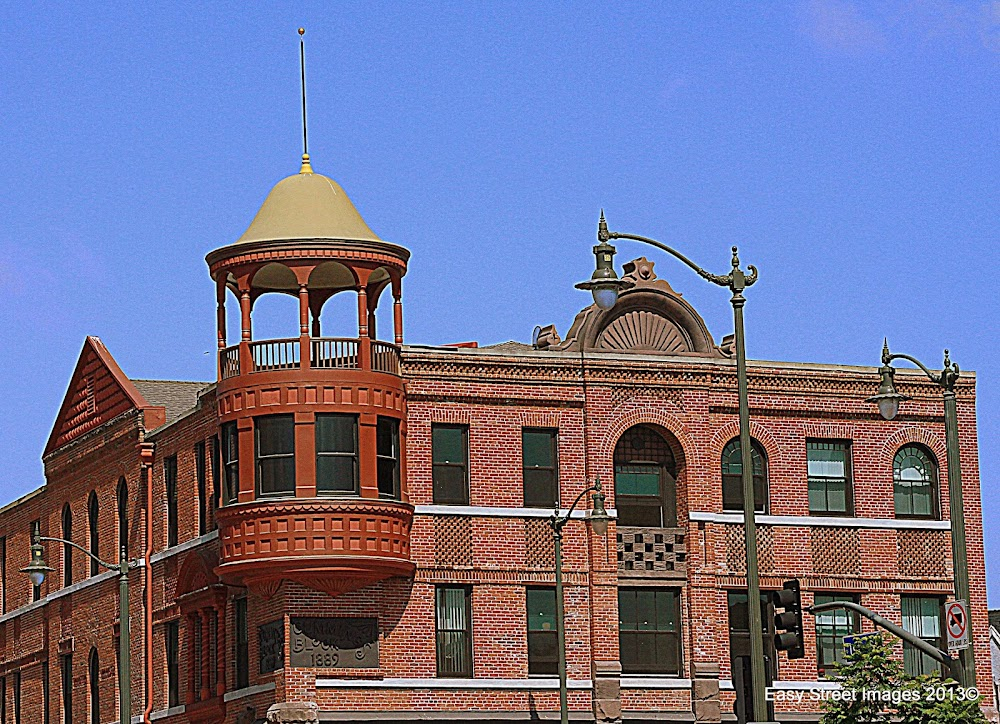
[332,545]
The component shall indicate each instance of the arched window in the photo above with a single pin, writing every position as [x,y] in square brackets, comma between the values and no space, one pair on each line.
[732,476]
[122,516]
[915,483]
[93,674]
[645,479]
[67,534]
[92,521]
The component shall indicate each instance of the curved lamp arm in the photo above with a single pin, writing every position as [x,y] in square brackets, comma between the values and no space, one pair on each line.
[109,566]
[947,377]
[558,521]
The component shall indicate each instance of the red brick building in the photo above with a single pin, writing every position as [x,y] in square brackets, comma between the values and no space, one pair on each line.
[362,524]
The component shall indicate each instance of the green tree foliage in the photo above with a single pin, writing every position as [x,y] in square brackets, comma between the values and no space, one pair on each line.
[876,690]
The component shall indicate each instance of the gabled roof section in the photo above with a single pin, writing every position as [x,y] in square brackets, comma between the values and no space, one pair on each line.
[175,396]
[98,392]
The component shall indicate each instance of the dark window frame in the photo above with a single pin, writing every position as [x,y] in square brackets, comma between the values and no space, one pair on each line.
[17,697]
[830,643]
[241,643]
[46,702]
[94,686]
[635,666]
[912,655]
[66,682]
[36,530]
[170,488]
[636,510]
[825,481]
[732,482]
[67,549]
[546,498]
[201,478]
[259,423]
[439,496]
[462,640]
[387,461]
[230,447]
[351,455]
[543,651]
[216,472]
[121,498]
[933,483]
[171,644]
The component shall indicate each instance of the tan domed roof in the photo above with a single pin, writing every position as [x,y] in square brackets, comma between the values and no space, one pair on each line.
[307,205]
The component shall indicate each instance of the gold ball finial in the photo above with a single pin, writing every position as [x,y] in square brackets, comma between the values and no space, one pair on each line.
[302,31]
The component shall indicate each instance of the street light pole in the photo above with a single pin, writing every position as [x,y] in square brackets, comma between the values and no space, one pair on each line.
[599,520]
[605,286]
[888,400]
[37,570]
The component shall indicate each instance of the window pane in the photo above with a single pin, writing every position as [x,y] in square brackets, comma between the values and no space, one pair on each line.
[541,603]
[448,444]
[626,610]
[275,435]
[277,475]
[387,473]
[817,496]
[335,473]
[538,448]
[666,611]
[336,433]
[449,484]
[638,480]
[539,488]
[826,459]
[453,632]
[645,610]
[640,512]
[836,496]
[387,434]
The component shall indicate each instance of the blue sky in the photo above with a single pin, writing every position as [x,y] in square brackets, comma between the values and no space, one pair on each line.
[849,149]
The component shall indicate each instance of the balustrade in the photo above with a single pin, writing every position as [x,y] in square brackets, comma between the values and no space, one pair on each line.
[328,353]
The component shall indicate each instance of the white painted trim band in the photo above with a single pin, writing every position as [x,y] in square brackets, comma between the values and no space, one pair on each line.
[822,521]
[480,511]
[727,685]
[248,691]
[654,682]
[185,546]
[445,683]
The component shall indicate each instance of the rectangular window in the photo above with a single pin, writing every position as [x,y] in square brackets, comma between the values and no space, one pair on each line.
[387,437]
[170,483]
[201,474]
[275,454]
[337,454]
[543,636]
[171,639]
[539,454]
[66,670]
[831,628]
[454,631]
[36,591]
[829,469]
[217,471]
[230,462]
[242,639]
[450,457]
[921,616]
[649,630]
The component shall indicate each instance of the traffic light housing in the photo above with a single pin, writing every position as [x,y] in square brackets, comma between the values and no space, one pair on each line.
[788,623]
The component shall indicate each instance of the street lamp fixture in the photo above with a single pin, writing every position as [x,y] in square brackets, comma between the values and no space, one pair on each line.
[598,518]
[605,285]
[37,570]
[888,400]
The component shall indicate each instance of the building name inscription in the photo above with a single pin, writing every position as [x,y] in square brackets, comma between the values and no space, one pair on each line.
[334,643]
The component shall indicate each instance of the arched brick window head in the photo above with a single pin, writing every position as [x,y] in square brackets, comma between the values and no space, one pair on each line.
[67,534]
[645,479]
[122,516]
[732,476]
[915,483]
[92,521]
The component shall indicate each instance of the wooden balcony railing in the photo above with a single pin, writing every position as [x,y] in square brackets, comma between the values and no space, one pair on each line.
[328,353]
[335,353]
[652,552]
[274,354]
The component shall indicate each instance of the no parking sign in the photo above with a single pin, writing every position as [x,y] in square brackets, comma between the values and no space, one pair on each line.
[956,621]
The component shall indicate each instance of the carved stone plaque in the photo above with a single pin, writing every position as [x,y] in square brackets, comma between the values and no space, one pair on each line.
[271,637]
[334,643]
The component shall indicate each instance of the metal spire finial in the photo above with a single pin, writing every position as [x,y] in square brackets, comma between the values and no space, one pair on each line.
[306,166]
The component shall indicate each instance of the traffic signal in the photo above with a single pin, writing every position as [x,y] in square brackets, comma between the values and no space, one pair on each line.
[788,623]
